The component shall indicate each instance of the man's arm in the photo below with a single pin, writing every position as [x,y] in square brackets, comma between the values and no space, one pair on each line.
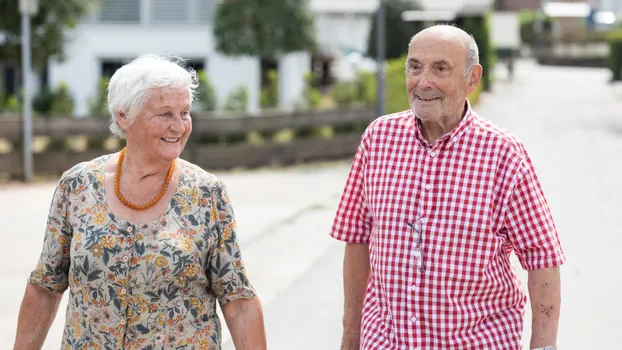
[36,315]
[244,319]
[544,291]
[355,279]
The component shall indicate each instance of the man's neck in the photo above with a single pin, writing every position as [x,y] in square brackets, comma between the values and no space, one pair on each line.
[432,130]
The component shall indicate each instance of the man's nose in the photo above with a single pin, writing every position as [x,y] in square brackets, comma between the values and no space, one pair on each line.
[425,79]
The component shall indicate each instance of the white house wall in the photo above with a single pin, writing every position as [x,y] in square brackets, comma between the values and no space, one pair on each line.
[93,43]
[339,32]
[292,70]
[227,73]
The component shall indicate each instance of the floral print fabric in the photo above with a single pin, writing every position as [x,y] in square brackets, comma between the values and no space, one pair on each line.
[151,286]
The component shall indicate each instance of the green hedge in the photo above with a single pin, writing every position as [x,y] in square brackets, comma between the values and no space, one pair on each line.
[615,54]
[479,27]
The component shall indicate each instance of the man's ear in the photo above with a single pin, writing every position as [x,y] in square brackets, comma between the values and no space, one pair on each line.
[475,76]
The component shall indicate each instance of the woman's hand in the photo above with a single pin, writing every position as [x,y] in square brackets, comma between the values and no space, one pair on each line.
[244,319]
[36,315]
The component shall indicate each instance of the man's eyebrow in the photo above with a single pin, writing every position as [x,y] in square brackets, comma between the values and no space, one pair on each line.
[442,63]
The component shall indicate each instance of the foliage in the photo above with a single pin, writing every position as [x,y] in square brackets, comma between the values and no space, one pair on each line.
[62,103]
[270,92]
[263,28]
[98,105]
[360,91]
[50,102]
[615,54]
[395,86]
[311,94]
[366,88]
[237,101]
[48,29]
[13,105]
[479,28]
[527,19]
[206,96]
[2,99]
[397,31]
[344,93]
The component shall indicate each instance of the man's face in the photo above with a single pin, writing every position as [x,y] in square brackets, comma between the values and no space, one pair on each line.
[435,80]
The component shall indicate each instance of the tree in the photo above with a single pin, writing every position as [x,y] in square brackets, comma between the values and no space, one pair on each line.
[48,33]
[398,32]
[264,28]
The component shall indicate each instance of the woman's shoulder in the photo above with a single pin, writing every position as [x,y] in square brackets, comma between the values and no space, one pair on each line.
[195,176]
[81,170]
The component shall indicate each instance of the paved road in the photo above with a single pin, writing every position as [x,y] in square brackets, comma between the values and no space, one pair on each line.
[571,122]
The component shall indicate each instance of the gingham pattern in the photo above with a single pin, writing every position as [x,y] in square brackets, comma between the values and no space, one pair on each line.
[478,196]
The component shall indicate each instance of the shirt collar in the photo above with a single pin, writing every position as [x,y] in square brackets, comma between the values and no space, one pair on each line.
[453,135]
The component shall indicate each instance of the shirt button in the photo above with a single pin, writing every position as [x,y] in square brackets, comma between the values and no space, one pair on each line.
[123,291]
[126,258]
[130,229]
[413,287]
[432,154]
[414,319]
[122,322]
[428,186]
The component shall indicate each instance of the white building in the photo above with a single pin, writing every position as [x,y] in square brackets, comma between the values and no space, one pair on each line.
[123,29]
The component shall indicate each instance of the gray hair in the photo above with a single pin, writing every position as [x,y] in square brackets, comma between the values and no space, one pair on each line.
[130,85]
[472,56]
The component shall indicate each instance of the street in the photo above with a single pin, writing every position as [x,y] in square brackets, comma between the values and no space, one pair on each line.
[570,120]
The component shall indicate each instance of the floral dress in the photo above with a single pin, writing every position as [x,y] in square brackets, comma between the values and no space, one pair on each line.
[151,286]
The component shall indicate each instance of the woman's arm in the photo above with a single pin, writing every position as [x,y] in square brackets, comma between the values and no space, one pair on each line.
[36,315]
[244,319]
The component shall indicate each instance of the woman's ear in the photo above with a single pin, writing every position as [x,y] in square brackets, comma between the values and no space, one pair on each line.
[122,120]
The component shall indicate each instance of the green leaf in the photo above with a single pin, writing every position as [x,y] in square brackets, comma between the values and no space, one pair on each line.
[263,28]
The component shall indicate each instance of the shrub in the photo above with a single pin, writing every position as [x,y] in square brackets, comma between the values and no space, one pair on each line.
[527,19]
[237,101]
[206,96]
[615,54]
[395,86]
[344,93]
[366,88]
[62,101]
[270,92]
[312,96]
[479,27]
[98,105]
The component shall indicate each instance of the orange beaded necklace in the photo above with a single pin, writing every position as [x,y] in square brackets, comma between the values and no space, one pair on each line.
[131,205]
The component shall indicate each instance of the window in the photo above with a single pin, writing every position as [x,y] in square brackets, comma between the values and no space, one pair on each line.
[120,11]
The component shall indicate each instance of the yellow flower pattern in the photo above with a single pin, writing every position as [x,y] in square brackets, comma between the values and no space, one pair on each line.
[152,286]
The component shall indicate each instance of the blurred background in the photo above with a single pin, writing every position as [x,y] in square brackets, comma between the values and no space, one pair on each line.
[286,89]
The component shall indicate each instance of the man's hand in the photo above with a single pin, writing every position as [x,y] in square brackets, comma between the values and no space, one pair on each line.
[545,294]
[355,280]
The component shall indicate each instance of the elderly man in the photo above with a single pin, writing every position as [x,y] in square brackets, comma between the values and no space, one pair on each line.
[436,200]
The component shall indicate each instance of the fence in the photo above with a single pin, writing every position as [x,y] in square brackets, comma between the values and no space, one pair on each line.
[216,143]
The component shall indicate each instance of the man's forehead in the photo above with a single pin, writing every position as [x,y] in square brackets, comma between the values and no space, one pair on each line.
[436,50]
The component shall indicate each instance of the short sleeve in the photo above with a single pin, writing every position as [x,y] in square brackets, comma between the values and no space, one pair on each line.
[530,224]
[227,273]
[352,222]
[52,271]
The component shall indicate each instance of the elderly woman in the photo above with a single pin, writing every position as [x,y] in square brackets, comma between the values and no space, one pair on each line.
[145,241]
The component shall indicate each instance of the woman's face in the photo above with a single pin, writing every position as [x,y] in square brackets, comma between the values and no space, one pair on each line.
[163,125]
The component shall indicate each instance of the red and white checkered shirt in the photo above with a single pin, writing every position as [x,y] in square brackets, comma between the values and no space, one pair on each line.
[475,197]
